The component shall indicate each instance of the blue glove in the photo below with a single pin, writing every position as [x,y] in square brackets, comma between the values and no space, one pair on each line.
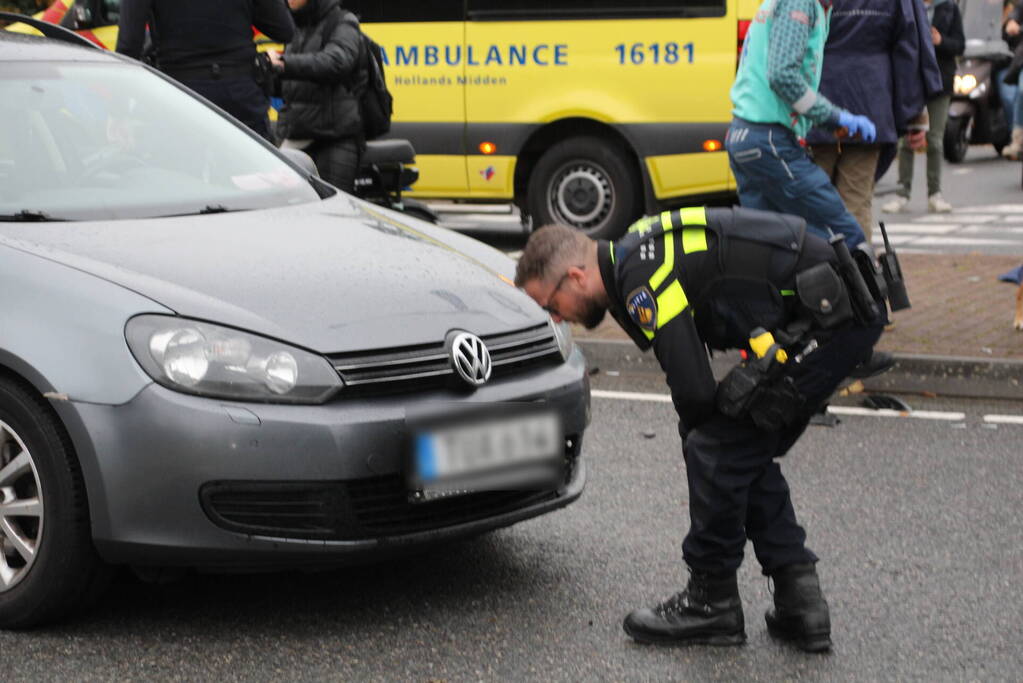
[858,125]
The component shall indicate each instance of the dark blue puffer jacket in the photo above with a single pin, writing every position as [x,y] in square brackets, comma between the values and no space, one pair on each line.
[876,47]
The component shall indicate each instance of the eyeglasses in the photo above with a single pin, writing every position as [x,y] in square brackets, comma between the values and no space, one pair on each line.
[550,308]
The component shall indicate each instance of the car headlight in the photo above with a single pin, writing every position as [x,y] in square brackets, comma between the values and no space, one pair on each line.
[563,333]
[210,360]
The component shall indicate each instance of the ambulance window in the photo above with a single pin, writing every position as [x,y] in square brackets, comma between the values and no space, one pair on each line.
[370,11]
[592,9]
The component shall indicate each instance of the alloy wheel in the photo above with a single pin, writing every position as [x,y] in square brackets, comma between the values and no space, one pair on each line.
[21,509]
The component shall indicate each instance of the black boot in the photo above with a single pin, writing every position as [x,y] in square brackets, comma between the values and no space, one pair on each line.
[707,612]
[800,612]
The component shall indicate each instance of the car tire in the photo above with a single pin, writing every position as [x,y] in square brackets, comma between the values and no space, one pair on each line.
[48,565]
[586,183]
[957,138]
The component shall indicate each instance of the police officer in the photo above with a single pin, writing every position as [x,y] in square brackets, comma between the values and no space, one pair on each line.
[696,278]
[208,47]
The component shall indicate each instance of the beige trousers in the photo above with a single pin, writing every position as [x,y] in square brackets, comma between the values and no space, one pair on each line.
[851,169]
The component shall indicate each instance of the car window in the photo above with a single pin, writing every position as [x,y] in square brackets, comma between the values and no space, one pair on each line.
[107,141]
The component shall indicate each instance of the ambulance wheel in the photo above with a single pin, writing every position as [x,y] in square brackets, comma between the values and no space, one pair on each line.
[585,183]
[48,566]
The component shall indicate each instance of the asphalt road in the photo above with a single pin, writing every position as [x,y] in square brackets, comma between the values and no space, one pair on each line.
[916,522]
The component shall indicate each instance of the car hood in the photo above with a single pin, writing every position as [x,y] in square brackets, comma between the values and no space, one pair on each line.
[333,276]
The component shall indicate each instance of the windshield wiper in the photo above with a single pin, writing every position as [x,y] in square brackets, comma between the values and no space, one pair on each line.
[29,216]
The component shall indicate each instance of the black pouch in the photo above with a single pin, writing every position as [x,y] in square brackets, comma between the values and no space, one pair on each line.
[739,389]
[777,406]
[823,294]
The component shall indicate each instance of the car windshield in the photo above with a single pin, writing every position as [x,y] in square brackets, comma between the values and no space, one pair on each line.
[87,141]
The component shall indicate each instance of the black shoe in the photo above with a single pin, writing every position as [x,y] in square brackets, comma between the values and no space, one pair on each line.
[800,612]
[878,363]
[707,612]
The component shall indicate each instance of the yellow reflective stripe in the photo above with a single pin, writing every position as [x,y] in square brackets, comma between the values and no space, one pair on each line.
[666,221]
[670,303]
[696,215]
[693,240]
[662,273]
[611,248]
[648,333]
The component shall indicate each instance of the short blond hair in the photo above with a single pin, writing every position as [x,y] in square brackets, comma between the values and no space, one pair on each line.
[548,251]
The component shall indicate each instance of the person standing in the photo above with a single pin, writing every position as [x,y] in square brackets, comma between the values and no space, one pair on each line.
[891,41]
[679,283]
[949,43]
[322,75]
[208,47]
[1009,92]
[775,103]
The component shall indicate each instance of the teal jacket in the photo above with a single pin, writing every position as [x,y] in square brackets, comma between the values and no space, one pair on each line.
[780,68]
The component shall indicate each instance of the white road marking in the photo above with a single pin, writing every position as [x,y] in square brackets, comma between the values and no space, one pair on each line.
[966,218]
[1004,419]
[837,410]
[962,171]
[631,396]
[922,228]
[962,241]
[918,414]
[995,208]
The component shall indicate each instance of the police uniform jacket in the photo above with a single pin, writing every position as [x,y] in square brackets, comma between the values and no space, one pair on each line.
[696,278]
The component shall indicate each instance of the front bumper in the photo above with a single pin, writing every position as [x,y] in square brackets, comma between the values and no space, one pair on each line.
[146,462]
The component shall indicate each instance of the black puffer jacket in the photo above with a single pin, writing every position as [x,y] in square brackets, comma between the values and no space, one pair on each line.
[322,74]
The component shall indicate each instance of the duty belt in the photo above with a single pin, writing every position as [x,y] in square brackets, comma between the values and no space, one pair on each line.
[213,71]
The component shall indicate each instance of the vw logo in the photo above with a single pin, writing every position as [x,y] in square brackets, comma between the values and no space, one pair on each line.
[471,359]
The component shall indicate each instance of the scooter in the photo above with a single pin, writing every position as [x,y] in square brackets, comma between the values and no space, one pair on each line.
[976,114]
[385,171]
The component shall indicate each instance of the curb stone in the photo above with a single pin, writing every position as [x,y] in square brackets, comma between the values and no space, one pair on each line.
[950,376]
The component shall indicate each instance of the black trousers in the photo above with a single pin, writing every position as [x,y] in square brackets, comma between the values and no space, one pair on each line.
[240,97]
[736,488]
[337,161]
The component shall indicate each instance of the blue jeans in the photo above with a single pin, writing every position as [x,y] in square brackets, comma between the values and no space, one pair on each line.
[774,173]
[1011,104]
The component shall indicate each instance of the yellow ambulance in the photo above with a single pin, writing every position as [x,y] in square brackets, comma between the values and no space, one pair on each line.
[585,112]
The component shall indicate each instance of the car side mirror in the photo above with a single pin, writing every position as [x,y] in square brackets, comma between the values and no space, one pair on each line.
[300,159]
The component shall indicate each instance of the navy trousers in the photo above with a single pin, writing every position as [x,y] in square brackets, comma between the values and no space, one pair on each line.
[774,173]
[242,98]
[736,488]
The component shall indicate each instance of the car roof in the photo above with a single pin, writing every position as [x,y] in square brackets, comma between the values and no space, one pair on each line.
[21,47]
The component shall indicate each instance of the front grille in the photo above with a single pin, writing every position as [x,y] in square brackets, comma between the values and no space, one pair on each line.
[374,507]
[428,367]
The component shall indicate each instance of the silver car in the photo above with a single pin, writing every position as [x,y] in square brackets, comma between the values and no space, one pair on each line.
[210,359]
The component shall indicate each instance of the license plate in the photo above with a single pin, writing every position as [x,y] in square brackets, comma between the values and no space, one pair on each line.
[491,455]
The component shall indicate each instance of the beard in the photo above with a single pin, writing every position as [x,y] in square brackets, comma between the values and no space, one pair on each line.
[592,314]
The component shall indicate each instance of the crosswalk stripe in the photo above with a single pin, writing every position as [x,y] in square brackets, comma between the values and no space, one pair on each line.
[928,228]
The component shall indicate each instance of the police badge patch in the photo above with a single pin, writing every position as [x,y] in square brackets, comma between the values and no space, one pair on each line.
[642,308]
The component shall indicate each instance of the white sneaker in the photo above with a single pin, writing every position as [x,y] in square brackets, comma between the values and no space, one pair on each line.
[937,204]
[896,205]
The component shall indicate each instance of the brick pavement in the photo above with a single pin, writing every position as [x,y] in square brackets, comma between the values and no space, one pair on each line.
[960,309]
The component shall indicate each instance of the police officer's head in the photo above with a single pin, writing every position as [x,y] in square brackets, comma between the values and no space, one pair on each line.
[559,270]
